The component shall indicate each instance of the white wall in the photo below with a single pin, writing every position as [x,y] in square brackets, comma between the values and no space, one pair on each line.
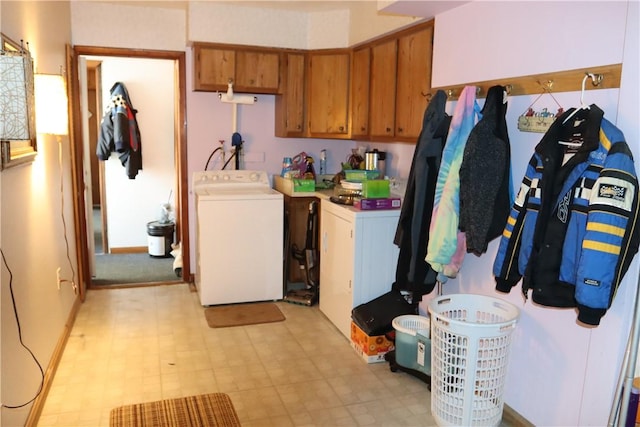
[487,40]
[132,203]
[110,24]
[368,22]
[32,234]
[224,23]
[560,373]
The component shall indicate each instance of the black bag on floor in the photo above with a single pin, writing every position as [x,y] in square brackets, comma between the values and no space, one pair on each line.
[375,317]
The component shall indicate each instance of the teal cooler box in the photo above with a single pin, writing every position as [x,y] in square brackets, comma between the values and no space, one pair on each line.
[413,343]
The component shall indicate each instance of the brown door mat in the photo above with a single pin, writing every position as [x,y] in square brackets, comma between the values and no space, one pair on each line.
[223,316]
[206,410]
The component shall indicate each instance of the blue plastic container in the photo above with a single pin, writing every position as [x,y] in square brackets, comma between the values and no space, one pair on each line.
[413,345]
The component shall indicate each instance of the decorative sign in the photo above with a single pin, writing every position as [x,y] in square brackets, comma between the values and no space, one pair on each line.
[532,121]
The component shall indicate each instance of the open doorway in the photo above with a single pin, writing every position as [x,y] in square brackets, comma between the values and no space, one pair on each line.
[116,260]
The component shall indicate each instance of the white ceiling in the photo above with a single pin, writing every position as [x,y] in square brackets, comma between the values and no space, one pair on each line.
[297,5]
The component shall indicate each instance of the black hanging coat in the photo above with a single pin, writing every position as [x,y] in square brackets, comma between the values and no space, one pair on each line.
[119,131]
[485,175]
[413,273]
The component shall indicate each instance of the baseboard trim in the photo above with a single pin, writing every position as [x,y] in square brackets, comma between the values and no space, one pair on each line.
[129,250]
[38,403]
[513,418]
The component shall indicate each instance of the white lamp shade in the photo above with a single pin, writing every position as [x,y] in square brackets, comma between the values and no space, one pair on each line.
[51,104]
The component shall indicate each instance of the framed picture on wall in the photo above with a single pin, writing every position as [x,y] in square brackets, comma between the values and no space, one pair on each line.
[17,106]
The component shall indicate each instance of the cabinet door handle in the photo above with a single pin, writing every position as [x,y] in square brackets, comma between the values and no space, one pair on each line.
[400,130]
[388,130]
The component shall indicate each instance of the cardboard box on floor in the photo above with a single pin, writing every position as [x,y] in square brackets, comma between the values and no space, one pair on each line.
[371,349]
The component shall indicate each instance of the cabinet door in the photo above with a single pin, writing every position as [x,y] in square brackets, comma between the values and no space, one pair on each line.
[328,99]
[213,68]
[414,82]
[383,90]
[360,93]
[257,71]
[376,256]
[289,109]
[336,269]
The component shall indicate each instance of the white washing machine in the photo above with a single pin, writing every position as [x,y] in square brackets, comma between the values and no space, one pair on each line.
[239,237]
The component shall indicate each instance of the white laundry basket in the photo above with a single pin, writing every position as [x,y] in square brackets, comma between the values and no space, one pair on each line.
[470,343]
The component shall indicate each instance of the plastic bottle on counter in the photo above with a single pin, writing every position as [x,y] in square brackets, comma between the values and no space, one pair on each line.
[286,168]
[323,162]
[309,172]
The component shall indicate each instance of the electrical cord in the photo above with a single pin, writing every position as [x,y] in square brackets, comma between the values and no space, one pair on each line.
[210,156]
[64,222]
[15,312]
[228,160]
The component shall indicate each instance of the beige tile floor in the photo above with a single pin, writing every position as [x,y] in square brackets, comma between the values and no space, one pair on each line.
[144,344]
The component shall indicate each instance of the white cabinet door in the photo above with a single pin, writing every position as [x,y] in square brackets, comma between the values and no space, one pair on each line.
[358,259]
[336,269]
[376,256]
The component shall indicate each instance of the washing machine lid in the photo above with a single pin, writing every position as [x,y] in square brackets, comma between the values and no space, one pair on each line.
[237,193]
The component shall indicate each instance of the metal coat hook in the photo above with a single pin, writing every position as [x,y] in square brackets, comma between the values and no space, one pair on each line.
[596,79]
[546,86]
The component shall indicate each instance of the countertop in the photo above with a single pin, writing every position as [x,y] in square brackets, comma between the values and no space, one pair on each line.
[285,187]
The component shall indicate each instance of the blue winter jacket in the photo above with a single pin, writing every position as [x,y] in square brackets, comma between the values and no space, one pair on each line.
[573,229]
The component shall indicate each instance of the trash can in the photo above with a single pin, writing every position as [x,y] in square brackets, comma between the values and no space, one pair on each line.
[470,344]
[160,238]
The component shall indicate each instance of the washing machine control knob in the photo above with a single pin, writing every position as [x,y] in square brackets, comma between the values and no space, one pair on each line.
[253,177]
[226,177]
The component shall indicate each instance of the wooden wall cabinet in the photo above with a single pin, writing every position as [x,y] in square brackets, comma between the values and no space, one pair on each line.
[414,82]
[252,69]
[290,103]
[360,65]
[399,83]
[328,94]
[383,90]
[377,91]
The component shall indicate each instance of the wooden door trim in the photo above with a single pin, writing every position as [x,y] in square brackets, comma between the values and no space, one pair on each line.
[182,215]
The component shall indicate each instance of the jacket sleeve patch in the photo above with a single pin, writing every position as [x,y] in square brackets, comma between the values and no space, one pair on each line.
[616,192]
[591,282]
[522,195]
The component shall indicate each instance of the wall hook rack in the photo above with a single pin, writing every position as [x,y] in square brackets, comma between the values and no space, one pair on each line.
[605,77]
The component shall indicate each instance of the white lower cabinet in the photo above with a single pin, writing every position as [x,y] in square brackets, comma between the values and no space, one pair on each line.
[358,257]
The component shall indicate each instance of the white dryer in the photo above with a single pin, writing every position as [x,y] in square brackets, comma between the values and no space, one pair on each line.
[239,237]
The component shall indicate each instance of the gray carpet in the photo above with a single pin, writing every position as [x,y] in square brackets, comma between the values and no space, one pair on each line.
[124,269]
[118,269]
